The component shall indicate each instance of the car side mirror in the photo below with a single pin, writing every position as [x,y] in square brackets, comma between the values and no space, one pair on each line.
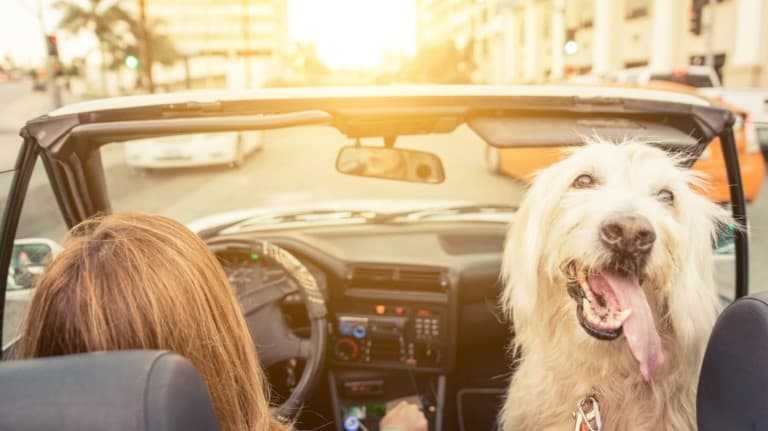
[390,163]
[29,260]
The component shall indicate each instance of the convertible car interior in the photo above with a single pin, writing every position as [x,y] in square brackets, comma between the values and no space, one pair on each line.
[352,307]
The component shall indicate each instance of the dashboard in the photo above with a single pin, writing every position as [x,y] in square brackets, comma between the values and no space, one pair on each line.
[392,291]
[402,298]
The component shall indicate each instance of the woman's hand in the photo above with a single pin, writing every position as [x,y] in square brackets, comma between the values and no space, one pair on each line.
[404,417]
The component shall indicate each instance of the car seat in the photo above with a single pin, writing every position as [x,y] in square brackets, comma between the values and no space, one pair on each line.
[131,390]
[733,384]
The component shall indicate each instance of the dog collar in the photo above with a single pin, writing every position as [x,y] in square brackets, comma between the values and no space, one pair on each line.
[587,414]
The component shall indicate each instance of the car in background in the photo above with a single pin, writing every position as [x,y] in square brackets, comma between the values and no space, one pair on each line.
[692,76]
[755,102]
[522,163]
[202,149]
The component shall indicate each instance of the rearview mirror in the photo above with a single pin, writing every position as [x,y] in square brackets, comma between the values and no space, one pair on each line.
[390,163]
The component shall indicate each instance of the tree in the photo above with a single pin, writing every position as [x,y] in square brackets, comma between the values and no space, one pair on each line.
[163,49]
[105,19]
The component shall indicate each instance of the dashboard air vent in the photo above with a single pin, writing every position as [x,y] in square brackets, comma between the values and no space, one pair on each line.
[417,276]
[363,273]
[398,278]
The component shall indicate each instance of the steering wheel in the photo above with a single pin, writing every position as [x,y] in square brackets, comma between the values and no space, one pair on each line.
[273,338]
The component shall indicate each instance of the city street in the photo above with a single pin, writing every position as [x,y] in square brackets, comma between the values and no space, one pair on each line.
[295,166]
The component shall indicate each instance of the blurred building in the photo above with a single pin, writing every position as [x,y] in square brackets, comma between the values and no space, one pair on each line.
[530,41]
[226,43]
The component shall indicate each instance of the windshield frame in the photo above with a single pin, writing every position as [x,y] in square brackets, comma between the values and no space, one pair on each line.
[70,144]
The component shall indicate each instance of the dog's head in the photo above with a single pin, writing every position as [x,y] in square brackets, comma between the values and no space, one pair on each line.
[613,241]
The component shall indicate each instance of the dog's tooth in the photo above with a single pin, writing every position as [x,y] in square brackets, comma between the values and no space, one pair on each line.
[595,319]
[623,315]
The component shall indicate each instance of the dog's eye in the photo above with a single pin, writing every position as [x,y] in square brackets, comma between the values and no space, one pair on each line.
[584,181]
[666,196]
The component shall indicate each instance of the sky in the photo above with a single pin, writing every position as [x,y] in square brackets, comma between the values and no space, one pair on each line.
[345,42]
[378,26]
[20,33]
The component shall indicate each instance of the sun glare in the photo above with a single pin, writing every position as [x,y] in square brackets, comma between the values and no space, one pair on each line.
[354,33]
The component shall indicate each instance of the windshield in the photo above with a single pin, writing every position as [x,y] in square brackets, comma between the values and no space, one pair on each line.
[192,176]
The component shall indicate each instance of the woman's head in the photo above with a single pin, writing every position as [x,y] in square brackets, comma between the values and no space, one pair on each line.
[138,281]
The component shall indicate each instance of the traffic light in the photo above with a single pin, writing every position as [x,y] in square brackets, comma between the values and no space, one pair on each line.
[695,20]
[52,44]
[132,62]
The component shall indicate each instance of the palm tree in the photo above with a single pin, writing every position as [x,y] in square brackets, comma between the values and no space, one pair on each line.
[164,51]
[105,19]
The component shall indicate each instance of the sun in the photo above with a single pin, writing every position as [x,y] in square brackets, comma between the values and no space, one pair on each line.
[354,34]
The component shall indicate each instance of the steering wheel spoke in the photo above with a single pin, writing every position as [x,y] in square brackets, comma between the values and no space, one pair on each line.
[266,294]
[293,347]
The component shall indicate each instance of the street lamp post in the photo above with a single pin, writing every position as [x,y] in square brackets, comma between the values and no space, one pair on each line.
[710,35]
[50,60]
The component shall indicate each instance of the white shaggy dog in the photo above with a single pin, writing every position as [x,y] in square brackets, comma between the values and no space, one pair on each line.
[609,283]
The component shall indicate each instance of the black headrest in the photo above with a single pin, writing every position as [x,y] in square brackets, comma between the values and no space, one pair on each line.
[131,390]
[733,385]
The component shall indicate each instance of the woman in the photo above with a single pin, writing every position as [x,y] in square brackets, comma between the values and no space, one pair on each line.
[139,281]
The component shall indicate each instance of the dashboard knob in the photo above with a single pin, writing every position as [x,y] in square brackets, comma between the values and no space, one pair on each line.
[359,331]
[351,423]
[346,349]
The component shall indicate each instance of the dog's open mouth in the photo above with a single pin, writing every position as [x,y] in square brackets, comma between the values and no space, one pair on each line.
[609,303]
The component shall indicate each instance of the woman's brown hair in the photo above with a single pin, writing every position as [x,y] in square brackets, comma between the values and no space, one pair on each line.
[140,281]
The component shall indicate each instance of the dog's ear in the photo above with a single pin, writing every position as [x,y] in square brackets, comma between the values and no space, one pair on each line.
[693,304]
[524,246]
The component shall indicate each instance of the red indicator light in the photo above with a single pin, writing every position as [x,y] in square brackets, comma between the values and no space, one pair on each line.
[399,311]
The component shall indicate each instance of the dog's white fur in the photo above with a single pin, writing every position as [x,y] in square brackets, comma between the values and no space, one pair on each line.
[559,363]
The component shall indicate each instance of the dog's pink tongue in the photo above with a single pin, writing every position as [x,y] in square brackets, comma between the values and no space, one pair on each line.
[639,328]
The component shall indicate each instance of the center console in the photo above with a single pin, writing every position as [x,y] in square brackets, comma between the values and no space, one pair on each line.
[391,340]
[396,336]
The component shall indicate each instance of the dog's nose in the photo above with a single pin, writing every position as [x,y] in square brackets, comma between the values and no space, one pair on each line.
[628,234]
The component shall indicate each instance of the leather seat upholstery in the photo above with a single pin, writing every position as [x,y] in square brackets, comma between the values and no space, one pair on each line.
[733,385]
[118,391]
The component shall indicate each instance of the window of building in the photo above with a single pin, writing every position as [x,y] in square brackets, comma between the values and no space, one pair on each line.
[631,64]
[637,8]
[587,13]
